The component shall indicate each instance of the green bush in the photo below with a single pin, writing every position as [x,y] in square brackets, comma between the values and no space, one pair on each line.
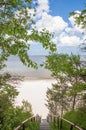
[31,125]
[78,117]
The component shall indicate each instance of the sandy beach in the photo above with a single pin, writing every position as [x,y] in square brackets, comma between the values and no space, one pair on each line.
[34,90]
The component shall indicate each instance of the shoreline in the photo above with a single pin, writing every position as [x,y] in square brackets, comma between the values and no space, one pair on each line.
[25,78]
[16,80]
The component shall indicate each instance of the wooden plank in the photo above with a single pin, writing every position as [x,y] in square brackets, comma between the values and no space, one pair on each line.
[44,125]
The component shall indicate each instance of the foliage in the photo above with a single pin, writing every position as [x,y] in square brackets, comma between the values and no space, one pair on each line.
[68,72]
[26,107]
[56,99]
[17,29]
[80,20]
[33,125]
[76,79]
[56,96]
[7,96]
[53,126]
[11,116]
[57,64]
[14,116]
[80,17]
[78,117]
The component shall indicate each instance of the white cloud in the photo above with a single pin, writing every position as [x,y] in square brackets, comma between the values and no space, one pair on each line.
[67,40]
[43,6]
[52,23]
[64,34]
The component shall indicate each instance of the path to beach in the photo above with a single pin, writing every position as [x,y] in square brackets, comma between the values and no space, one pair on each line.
[44,125]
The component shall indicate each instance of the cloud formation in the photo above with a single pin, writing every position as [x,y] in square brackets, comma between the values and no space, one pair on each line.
[54,24]
[65,34]
[43,6]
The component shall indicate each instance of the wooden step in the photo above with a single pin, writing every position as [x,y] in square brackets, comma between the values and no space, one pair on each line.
[44,125]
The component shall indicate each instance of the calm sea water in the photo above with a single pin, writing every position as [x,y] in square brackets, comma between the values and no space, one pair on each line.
[16,68]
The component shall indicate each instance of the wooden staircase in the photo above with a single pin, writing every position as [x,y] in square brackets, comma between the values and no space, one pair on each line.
[44,125]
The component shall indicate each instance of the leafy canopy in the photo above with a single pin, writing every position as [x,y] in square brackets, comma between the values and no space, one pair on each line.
[10,115]
[80,20]
[17,29]
[70,74]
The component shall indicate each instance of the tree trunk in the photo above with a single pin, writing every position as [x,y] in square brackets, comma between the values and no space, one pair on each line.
[61,117]
[74,101]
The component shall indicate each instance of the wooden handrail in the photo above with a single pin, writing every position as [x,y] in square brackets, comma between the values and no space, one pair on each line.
[23,122]
[71,123]
[60,122]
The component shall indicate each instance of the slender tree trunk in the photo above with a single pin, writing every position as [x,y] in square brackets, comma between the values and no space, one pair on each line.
[61,119]
[61,114]
[74,101]
[75,95]
[73,107]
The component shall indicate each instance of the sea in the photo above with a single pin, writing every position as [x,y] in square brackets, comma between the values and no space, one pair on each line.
[16,68]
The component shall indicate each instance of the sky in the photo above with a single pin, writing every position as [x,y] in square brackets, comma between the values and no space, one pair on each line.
[54,16]
[64,7]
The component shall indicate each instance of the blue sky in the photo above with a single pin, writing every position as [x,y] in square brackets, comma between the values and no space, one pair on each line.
[64,7]
[54,16]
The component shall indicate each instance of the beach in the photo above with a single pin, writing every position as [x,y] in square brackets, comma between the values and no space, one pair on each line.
[34,91]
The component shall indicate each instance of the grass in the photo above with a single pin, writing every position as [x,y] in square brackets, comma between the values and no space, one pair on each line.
[78,117]
[54,126]
[31,125]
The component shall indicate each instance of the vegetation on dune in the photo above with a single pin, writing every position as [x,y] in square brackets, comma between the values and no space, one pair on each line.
[69,73]
[11,115]
[67,93]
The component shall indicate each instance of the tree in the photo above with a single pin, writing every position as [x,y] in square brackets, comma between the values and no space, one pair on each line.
[80,17]
[78,85]
[58,64]
[7,97]
[80,20]
[68,72]
[17,29]
[56,99]
[10,115]
[26,106]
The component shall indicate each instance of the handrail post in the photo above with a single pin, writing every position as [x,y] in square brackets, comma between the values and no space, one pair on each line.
[60,123]
[54,121]
[23,126]
[71,127]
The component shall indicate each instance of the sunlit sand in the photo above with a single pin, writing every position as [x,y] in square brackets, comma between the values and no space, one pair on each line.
[35,92]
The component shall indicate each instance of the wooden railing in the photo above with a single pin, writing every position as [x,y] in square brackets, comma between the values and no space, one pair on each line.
[22,126]
[58,120]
